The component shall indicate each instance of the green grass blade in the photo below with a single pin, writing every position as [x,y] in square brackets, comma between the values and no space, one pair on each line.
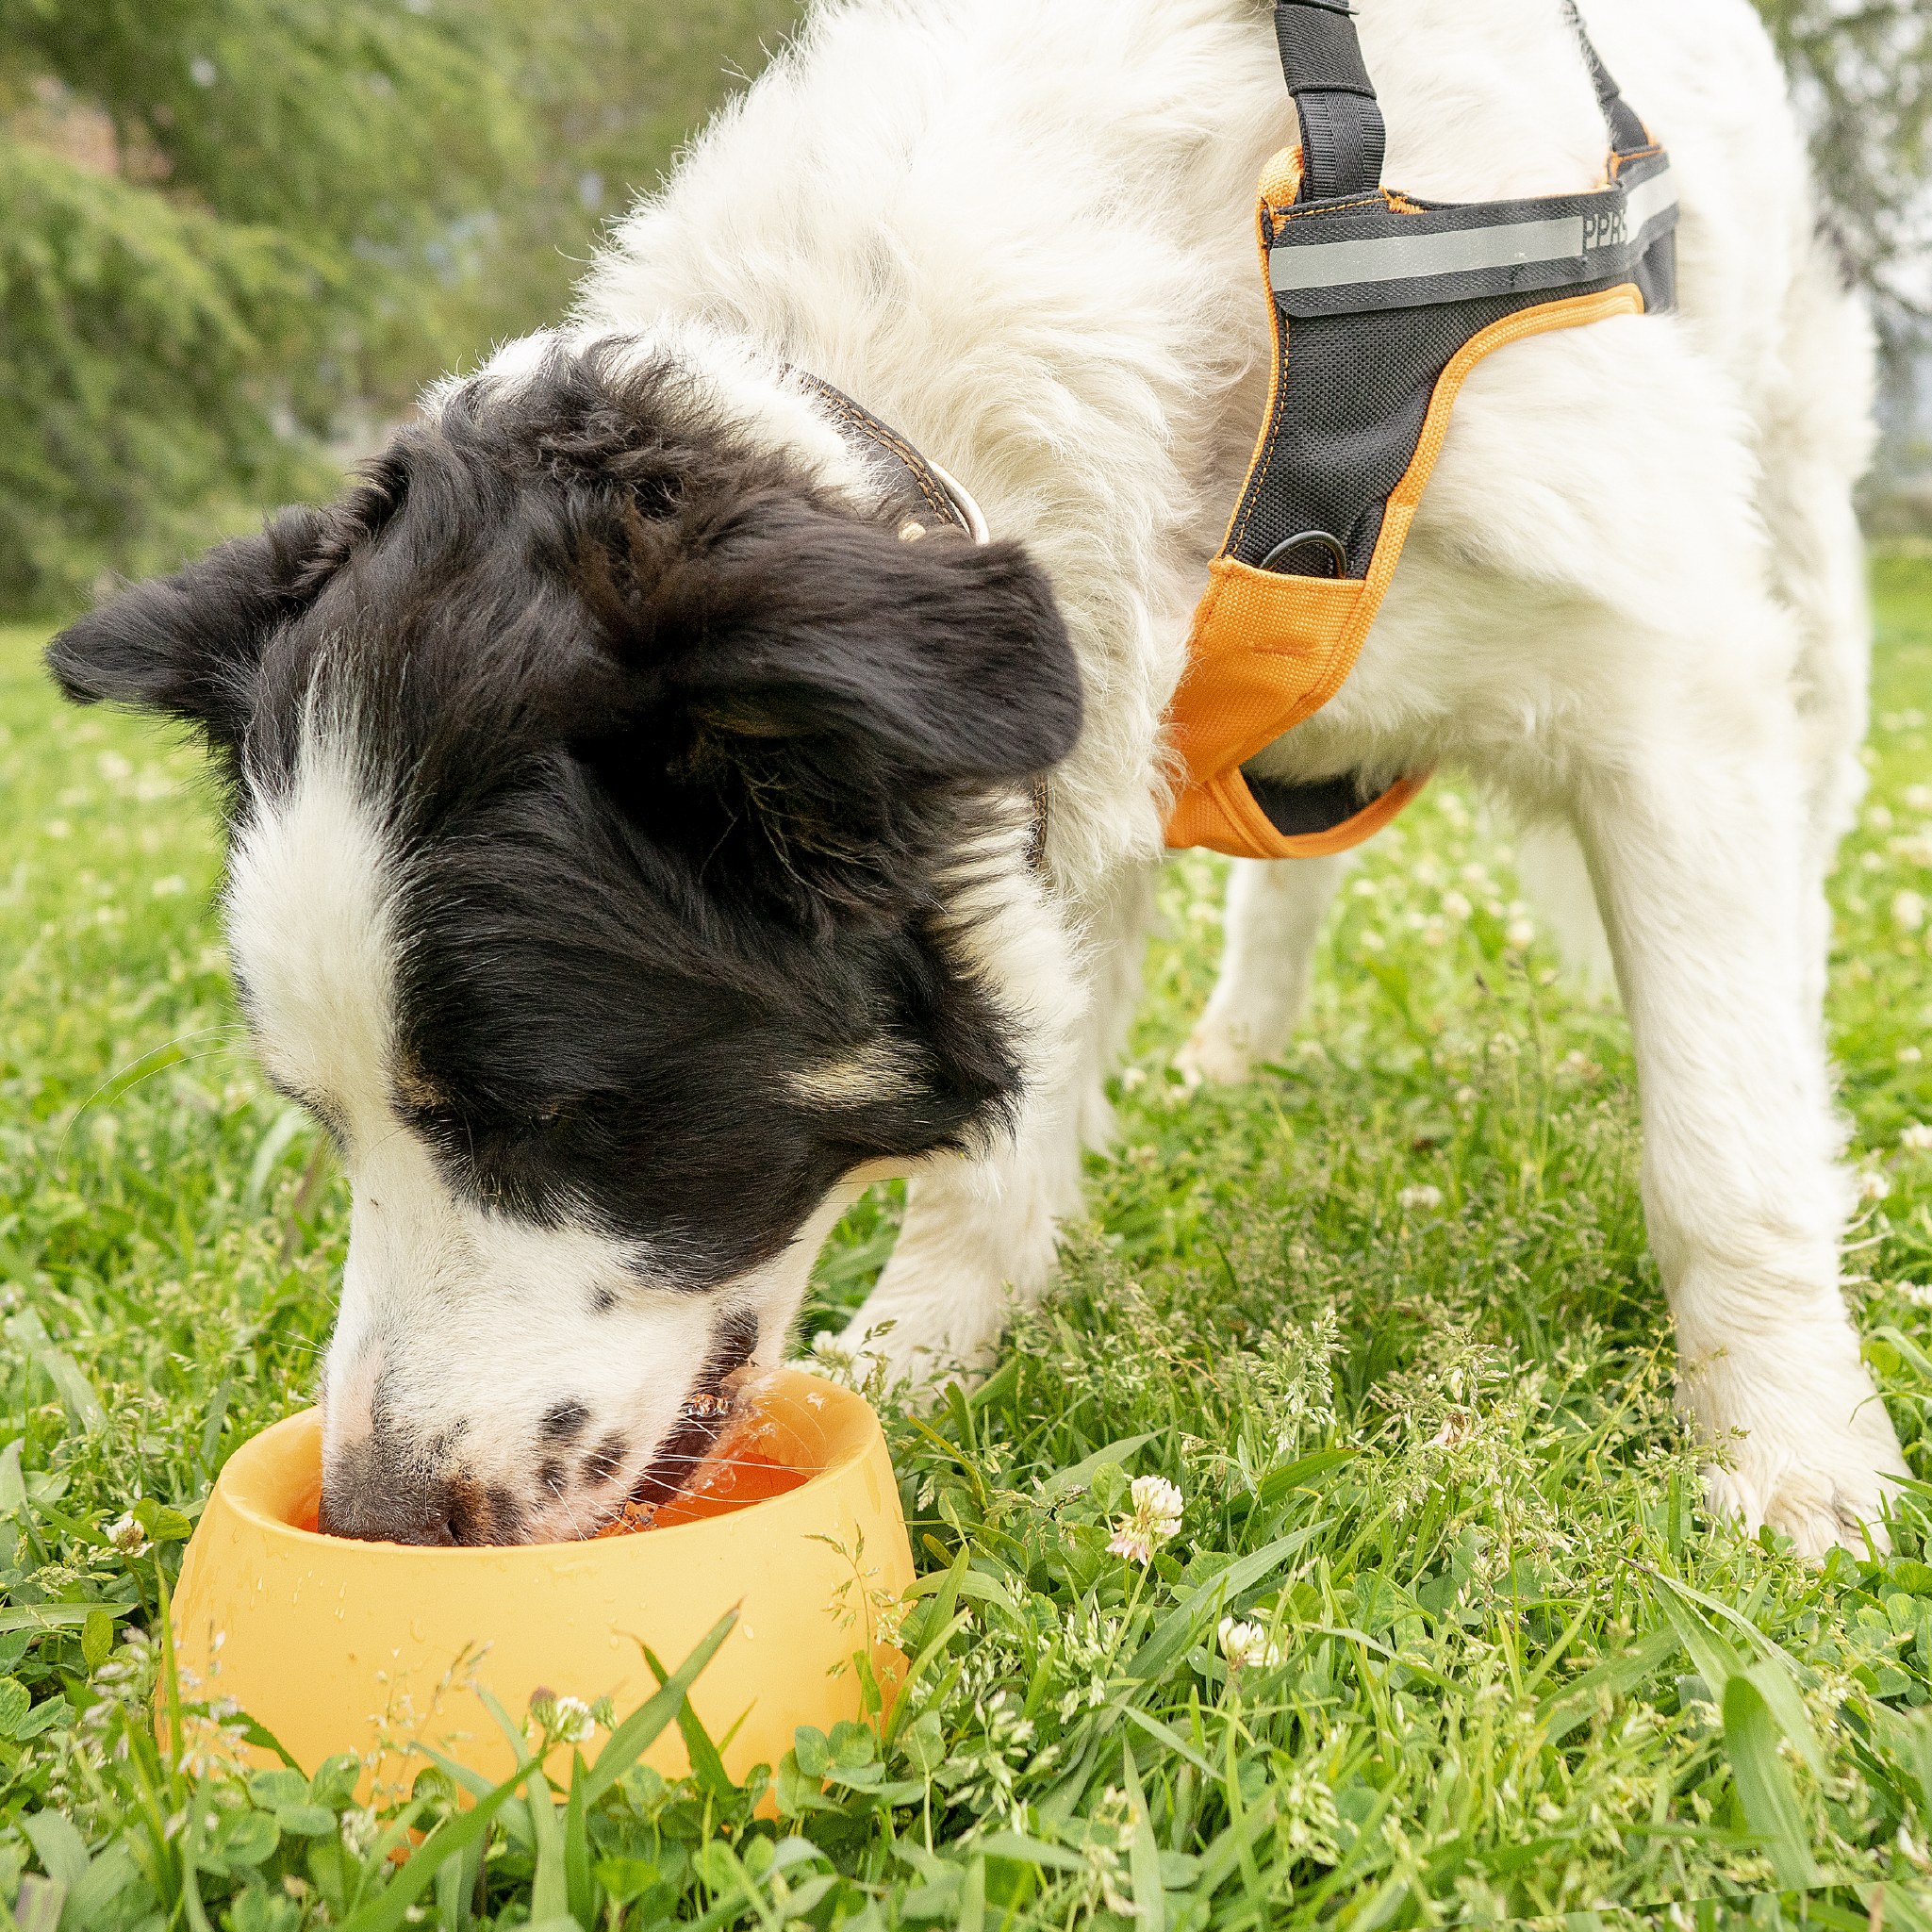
[707,1767]
[1067,1481]
[385,1912]
[1280,1483]
[577,1877]
[61,1849]
[1144,1853]
[549,1890]
[638,1731]
[1563,1710]
[972,1898]
[1764,1783]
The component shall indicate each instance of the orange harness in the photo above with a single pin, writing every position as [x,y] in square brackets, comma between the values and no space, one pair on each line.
[1379,306]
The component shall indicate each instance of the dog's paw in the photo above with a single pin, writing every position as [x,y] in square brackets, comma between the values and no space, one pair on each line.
[1216,1052]
[1811,1508]
[1809,1452]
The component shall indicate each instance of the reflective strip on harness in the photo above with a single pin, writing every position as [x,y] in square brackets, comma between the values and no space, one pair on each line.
[1379,305]
[1450,254]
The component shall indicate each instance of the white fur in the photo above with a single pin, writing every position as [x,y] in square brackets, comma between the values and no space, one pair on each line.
[1023,234]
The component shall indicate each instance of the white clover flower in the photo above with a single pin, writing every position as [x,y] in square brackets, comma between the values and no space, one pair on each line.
[1917,1138]
[1420,1199]
[1456,906]
[1155,1517]
[571,1721]
[1519,932]
[1247,1645]
[1907,910]
[1874,1185]
[127,1536]
[360,1829]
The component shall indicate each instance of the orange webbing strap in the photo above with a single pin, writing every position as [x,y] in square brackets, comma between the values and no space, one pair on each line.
[1269,649]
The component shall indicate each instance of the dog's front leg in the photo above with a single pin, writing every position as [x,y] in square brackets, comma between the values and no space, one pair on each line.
[974,1232]
[981,1230]
[1274,915]
[1699,861]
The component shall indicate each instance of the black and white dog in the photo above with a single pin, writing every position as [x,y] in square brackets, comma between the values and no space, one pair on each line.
[630,824]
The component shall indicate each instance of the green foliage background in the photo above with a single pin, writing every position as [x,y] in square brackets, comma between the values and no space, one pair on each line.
[230,224]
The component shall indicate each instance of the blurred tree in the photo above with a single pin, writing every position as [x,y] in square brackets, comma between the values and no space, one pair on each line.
[617,90]
[222,217]
[226,219]
[1861,71]
[1863,76]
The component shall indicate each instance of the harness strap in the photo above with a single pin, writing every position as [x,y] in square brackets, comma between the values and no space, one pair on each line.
[1626,131]
[1379,305]
[941,495]
[1341,134]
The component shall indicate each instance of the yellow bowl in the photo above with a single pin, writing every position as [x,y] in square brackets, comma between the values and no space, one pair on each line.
[372,1647]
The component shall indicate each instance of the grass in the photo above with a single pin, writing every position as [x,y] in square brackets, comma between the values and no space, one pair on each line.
[1386,1320]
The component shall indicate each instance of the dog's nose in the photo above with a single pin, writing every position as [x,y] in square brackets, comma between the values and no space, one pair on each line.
[420,1511]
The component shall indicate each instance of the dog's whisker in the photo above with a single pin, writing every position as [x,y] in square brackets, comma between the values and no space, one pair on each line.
[186,1060]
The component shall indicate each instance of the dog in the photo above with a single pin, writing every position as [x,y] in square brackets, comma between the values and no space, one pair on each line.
[632,841]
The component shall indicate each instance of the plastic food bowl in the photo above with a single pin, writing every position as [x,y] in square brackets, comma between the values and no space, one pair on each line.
[333,1645]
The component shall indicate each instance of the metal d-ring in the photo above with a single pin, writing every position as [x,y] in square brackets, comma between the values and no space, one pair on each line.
[1322,537]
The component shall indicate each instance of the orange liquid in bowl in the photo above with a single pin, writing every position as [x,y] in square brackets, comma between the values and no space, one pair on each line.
[731,1484]
[746,1465]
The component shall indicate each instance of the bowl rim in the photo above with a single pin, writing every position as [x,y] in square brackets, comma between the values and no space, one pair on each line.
[237,1488]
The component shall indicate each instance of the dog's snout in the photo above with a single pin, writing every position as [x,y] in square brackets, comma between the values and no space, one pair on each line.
[417,1506]
[391,1511]
[393,1485]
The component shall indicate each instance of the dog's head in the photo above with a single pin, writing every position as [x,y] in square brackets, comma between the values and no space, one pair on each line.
[608,802]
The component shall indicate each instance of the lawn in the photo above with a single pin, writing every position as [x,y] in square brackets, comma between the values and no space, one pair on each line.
[1386,1320]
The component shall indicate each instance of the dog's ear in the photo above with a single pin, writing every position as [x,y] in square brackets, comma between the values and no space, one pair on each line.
[935,659]
[189,645]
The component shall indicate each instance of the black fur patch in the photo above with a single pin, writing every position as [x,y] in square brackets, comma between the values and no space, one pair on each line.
[564,1423]
[605,1460]
[681,749]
